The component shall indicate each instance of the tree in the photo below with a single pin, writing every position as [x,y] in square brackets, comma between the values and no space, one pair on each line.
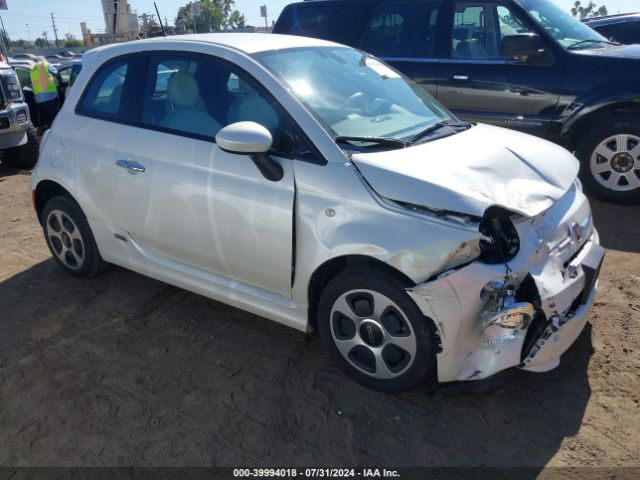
[23,44]
[41,42]
[588,11]
[5,37]
[237,20]
[214,15]
[71,41]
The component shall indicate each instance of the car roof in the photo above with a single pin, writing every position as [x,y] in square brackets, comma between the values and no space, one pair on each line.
[22,63]
[69,63]
[611,19]
[246,42]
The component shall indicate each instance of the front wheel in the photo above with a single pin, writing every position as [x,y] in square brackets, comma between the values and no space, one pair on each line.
[375,331]
[609,157]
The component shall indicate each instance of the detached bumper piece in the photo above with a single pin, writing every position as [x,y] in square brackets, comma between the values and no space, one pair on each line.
[560,331]
[527,322]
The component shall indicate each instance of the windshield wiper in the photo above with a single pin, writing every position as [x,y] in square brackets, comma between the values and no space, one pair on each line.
[590,40]
[381,141]
[437,126]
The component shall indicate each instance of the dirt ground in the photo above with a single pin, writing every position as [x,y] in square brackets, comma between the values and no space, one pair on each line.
[124,370]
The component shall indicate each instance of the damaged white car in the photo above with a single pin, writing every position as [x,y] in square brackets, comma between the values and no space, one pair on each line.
[312,184]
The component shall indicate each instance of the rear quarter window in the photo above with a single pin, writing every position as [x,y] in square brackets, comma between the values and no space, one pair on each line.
[337,22]
[402,30]
[105,94]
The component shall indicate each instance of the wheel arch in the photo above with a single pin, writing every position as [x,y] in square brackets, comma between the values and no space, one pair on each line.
[331,268]
[44,191]
[580,125]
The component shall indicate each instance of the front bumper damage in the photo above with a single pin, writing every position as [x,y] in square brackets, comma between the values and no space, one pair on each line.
[556,270]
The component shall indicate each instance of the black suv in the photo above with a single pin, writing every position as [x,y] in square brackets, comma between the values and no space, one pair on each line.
[623,28]
[522,64]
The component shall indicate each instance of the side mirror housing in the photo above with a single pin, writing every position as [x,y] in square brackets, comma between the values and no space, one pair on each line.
[522,46]
[254,140]
[244,138]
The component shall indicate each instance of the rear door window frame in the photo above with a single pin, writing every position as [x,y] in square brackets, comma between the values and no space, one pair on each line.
[129,111]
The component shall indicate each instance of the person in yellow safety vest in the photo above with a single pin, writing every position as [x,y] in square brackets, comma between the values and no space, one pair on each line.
[46,94]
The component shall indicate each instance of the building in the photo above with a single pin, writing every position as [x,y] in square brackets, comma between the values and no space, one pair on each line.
[96,39]
[118,18]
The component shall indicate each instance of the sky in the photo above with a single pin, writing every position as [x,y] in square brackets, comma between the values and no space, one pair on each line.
[69,13]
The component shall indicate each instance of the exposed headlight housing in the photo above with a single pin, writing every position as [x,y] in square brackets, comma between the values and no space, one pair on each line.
[501,241]
[503,318]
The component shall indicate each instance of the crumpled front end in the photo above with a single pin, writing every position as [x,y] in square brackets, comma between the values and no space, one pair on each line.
[524,312]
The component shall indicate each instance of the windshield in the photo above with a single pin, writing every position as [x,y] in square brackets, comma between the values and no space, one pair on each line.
[561,25]
[353,94]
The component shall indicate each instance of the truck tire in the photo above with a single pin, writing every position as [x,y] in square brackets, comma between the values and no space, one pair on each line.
[609,155]
[25,156]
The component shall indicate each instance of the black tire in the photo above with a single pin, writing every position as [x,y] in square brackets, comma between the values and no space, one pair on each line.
[90,262]
[380,282]
[597,134]
[25,156]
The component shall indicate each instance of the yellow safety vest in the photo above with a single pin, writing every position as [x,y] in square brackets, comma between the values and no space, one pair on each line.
[44,85]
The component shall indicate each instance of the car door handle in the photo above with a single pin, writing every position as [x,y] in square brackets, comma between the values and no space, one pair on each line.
[460,77]
[129,165]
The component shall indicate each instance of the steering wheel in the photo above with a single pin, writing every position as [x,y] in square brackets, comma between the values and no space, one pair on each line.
[554,32]
[359,102]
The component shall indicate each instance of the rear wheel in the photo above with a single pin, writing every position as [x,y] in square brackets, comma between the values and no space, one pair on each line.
[609,155]
[375,331]
[25,156]
[69,238]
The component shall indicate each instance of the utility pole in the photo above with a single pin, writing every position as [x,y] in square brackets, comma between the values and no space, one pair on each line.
[263,13]
[164,34]
[55,30]
[29,33]
[4,34]
[195,12]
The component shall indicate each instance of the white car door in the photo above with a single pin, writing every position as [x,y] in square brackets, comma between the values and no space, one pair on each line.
[95,131]
[186,200]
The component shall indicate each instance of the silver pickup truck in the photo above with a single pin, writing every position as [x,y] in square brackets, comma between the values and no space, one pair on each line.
[18,137]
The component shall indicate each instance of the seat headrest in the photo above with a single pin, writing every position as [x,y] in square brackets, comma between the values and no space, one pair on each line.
[460,34]
[183,89]
[254,109]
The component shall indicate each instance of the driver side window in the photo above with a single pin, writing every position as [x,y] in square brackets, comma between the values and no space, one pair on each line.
[199,95]
[509,23]
[480,27]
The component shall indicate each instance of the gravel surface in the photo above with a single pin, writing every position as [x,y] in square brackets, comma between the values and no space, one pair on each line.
[124,370]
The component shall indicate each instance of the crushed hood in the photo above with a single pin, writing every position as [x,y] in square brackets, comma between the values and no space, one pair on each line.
[473,170]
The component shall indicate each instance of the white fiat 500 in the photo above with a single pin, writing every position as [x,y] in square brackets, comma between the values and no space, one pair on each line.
[313,185]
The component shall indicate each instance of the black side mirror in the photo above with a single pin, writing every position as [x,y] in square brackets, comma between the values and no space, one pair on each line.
[522,46]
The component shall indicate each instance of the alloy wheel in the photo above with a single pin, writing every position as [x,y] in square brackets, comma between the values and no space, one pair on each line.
[65,239]
[615,162]
[373,334]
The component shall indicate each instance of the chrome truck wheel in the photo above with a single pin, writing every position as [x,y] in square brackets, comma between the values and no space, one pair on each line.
[609,154]
[615,162]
